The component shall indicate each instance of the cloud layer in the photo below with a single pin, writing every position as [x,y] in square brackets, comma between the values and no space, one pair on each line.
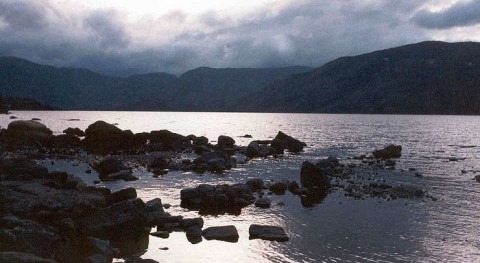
[301,32]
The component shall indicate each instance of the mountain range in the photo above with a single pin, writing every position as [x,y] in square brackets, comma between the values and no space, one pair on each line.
[424,78]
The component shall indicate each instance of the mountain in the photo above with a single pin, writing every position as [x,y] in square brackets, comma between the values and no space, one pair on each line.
[13,103]
[201,89]
[424,78]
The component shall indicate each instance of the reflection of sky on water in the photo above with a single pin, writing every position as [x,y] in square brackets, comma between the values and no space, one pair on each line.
[339,229]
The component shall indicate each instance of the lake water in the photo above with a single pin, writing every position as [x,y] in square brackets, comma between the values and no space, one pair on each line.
[444,149]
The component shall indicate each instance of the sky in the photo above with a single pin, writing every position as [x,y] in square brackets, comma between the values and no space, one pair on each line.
[124,37]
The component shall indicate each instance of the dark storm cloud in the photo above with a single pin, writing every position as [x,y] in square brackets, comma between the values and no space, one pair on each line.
[301,32]
[464,13]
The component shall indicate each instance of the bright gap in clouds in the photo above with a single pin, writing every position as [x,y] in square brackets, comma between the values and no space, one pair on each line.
[140,8]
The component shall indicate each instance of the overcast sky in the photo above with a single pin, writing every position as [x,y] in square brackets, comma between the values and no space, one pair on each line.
[124,37]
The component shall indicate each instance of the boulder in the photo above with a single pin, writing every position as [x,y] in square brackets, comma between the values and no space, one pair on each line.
[477,178]
[170,140]
[288,142]
[254,149]
[312,176]
[390,151]
[27,133]
[255,184]
[158,163]
[225,142]
[102,247]
[293,187]
[105,138]
[74,132]
[271,233]
[125,175]
[109,166]
[278,188]
[223,233]
[122,195]
[21,169]
[194,234]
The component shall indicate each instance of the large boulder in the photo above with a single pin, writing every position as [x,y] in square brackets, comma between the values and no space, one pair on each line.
[74,132]
[390,151]
[288,142]
[21,169]
[20,257]
[105,138]
[169,140]
[225,141]
[112,169]
[27,133]
[312,176]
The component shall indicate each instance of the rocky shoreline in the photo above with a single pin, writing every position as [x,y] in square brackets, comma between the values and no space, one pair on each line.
[55,217]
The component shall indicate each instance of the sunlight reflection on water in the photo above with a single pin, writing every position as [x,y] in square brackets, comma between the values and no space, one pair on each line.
[339,229]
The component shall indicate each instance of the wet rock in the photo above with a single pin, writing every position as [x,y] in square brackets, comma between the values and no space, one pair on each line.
[263,203]
[254,149]
[288,142]
[225,142]
[390,163]
[170,140]
[194,234]
[255,184]
[390,151]
[158,163]
[125,175]
[19,257]
[21,169]
[187,223]
[312,176]
[477,178]
[161,234]
[102,247]
[223,233]
[122,195]
[271,233]
[117,221]
[293,186]
[109,166]
[278,188]
[74,132]
[407,192]
[214,162]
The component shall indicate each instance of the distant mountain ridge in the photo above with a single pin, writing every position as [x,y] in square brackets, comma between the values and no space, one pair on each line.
[424,78]
[202,89]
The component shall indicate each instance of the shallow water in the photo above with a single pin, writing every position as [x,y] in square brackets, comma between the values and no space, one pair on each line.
[339,229]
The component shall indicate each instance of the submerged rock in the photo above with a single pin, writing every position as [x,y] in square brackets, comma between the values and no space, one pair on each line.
[272,233]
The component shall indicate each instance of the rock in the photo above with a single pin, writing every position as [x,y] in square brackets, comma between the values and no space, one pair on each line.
[390,151]
[293,186]
[120,220]
[272,233]
[289,143]
[97,258]
[477,178]
[186,223]
[122,195]
[202,140]
[169,140]
[278,188]
[27,133]
[140,260]
[214,162]
[407,192]
[255,184]
[312,176]
[19,257]
[331,162]
[74,132]
[254,149]
[263,203]
[223,233]
[102,247]
[109,166]
[22,169]
[225,142]
[104,138]
[30,237]
[161,234]
[125,175]
[158,163]
[194,234]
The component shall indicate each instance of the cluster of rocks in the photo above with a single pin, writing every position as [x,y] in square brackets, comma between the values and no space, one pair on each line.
[274,147]
[55,217]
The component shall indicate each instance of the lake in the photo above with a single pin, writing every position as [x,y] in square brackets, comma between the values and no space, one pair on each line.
[445,150]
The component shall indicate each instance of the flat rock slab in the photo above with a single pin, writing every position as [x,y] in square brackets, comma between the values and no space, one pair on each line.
[271,233]
[223,233]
